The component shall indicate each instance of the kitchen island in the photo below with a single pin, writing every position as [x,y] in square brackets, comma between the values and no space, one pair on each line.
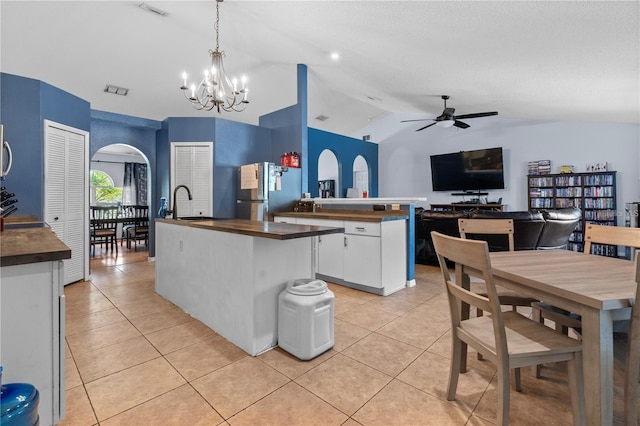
[229,273]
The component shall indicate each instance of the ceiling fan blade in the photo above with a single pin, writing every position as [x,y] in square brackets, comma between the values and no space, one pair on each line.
[429,125]
[460,124]
[420,119]
[477,114]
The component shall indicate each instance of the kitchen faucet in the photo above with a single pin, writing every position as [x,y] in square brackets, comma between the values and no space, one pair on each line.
[174,210]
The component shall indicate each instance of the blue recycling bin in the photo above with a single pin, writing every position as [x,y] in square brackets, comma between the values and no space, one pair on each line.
[18,404]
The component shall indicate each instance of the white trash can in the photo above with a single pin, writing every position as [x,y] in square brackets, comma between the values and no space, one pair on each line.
[305,318]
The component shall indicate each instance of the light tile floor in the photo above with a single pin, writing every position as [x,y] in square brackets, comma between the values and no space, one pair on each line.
[134,358]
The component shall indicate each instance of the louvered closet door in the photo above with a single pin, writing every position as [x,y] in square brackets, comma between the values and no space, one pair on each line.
[200,179]
[192,165]
[55,180]
[66,195]
[75,207]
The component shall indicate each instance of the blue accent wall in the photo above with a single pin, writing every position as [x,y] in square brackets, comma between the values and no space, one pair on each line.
[234,144]
[24,104]
[346,150]
[110,128]
[289,127]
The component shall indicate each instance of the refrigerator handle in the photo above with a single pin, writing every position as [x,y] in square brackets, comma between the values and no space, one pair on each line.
[9,161]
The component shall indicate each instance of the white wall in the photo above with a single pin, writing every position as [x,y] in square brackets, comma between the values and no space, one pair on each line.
[404,168]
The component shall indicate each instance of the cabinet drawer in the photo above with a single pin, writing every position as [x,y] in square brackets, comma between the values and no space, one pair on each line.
[320,222]
[362,228]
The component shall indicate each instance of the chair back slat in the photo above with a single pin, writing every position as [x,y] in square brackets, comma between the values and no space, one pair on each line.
[487,227]
[468,296]
[104,217]
[610,235]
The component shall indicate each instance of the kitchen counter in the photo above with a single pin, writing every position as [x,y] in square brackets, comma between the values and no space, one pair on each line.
[371,254]
[229,273]
[368,201]
[31,245]
[355,215]
[253,228]
[32,313]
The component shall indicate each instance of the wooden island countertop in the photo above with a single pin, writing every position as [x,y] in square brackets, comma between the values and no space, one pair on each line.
[353,215]
[31,245]
[272,230]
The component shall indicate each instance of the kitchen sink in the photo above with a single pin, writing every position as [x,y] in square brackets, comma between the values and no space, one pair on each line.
[196,218]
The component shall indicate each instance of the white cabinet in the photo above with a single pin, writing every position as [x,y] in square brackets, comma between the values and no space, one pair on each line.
[362,261]
[330,248]
[369,256]
[32,329]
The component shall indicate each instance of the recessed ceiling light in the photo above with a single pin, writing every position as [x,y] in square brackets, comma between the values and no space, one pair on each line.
[335,56]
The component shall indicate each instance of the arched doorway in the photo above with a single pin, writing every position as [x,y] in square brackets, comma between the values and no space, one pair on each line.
[328,175]
[361,175]
[120,178]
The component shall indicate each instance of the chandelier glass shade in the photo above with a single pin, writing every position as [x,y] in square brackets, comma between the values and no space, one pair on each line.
[216,89]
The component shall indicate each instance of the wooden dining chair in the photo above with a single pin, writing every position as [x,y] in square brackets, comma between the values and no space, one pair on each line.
[104,222]
[598,235]
[126,214]
[496,227]
[507,339]
[140,228]
[485,227]
[627,356]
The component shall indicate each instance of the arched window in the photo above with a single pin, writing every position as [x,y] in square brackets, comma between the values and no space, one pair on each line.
[102,189]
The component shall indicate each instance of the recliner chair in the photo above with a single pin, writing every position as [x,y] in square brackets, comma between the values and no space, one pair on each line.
[559,225]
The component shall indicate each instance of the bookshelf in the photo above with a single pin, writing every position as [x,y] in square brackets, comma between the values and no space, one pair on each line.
[594,193]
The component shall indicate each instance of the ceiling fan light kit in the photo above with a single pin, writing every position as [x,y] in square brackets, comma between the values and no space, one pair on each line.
[447,119]
[445,123]
[216,89]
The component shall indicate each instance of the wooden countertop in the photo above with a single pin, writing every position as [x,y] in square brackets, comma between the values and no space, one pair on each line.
[355,215]
[31,245]
[370,201]
[273,230]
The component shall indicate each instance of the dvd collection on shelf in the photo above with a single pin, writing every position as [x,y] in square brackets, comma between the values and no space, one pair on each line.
[540,167]
[593,193]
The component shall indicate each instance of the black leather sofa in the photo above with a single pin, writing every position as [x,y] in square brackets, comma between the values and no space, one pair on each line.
[537,230]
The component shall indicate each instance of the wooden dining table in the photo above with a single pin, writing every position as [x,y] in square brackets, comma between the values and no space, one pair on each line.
[598,288]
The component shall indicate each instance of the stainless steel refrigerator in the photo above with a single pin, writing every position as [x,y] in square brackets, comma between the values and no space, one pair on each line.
[266,188]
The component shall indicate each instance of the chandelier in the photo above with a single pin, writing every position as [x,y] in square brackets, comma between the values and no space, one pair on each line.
[216,90]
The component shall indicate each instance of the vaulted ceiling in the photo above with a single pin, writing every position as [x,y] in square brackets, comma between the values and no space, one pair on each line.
[560,60]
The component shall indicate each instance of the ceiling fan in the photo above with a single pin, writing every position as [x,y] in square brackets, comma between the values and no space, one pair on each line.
[447,119]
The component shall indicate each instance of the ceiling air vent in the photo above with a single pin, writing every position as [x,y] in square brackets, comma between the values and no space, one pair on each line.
[109,88]
[322,117]
[152,9]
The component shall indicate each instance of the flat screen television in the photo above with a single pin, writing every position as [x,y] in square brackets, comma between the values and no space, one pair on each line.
[463,171]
